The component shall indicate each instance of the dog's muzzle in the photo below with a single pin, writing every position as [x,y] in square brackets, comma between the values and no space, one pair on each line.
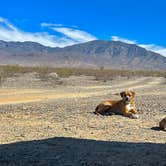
[127,99]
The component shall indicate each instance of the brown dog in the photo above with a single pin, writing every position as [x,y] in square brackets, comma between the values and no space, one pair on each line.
[162,124]
[125,107]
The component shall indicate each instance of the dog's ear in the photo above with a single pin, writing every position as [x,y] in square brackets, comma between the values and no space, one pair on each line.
[122,94]
[133,93]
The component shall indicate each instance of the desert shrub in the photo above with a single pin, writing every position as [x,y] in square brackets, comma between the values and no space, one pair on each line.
[99,74]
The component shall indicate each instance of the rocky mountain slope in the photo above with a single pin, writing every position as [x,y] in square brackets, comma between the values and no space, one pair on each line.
[110,54]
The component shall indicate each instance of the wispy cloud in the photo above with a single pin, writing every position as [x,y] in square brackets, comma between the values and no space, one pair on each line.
[152,47]
[117,38]
[9,32]
[76,35]
[44,24]
[72,33]
[155,48]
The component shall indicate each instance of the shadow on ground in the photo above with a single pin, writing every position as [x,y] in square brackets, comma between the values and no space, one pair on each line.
[62,151]
[156,128]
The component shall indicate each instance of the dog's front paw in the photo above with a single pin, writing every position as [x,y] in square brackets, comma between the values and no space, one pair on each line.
[134,116]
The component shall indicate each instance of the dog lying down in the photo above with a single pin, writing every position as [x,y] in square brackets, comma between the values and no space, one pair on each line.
[125,106]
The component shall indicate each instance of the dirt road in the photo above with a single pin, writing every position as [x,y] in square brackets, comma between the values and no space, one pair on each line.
[15,96]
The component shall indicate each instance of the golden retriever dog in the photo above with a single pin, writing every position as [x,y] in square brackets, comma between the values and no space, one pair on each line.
[125,106]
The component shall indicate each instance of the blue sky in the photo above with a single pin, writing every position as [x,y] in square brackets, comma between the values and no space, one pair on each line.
[66,22]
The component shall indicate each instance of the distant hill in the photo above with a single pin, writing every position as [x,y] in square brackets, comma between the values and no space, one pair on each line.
[109,54]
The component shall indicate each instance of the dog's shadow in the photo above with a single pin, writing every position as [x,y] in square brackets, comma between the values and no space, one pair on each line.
[105,114]
[156,128]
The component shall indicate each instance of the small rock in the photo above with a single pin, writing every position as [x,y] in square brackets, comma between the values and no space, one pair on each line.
[53,75]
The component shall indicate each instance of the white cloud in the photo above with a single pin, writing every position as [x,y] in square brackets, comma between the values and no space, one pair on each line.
[76,35]
[72,33]
[44,24]
[152,47]
[9,25]
[161,51]
[9,32]
[155,48]
[117,38]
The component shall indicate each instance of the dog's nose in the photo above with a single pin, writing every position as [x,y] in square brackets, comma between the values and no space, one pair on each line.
[127,98]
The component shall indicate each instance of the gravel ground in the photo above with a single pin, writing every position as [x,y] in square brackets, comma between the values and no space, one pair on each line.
[63,131]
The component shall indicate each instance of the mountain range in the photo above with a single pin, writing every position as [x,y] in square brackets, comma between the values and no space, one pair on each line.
[97,53]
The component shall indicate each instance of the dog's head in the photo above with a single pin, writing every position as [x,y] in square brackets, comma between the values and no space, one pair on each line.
[127,96]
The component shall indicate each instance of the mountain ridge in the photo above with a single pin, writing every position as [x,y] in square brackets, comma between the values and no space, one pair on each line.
[97,53]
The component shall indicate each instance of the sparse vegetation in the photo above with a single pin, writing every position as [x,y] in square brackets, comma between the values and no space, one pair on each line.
[99,74]
[31,109]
